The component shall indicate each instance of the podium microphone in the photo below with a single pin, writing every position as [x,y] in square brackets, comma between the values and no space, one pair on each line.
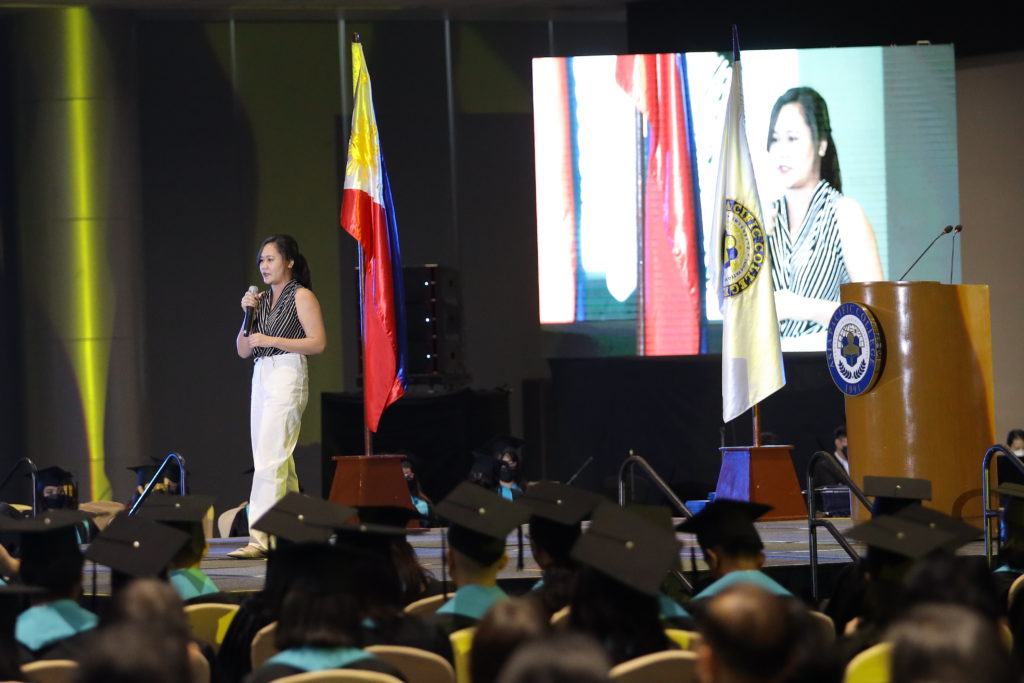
[945,231]
[250,314]
[952,251]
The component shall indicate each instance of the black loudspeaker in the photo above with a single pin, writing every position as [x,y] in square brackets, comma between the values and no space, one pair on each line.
[433,313]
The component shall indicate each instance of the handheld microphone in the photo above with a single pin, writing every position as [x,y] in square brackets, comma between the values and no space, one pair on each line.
[952,251]
[250,314]
[945,231]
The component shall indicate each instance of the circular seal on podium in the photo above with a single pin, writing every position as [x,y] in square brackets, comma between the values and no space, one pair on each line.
[854,351]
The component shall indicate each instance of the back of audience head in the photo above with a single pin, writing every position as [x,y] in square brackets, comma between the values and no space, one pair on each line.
[126,653]
[936,643]
[151,602]
[954,579]
[751,635]
[506,626]
[625,620]
[317,614]
[566,657]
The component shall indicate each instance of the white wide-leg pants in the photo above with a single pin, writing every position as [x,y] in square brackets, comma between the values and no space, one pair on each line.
[280,389]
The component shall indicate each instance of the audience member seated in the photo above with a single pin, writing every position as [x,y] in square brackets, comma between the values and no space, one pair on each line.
[378,589]
[559,658]
[126,653]
[417,582]
[300,527]
[506,626]
[732,547]
[480,521]
[624,561]
[894,544]
[55,626]
[936,643]
[185,513]
[319,628]
[556,511]
[751,635]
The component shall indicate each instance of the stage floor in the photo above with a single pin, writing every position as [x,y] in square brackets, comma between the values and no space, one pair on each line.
[786,545]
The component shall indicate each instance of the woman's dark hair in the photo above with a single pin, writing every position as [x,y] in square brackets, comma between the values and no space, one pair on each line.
[955,580]
[316,614]
[626,621]
[126,653]
[816,115]
[506,626]
[557,541]
[1014,434]
[289,250]
[947,644]
[151,602]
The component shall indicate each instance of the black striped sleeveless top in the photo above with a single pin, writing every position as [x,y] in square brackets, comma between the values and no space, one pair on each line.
[810,263]
[280,321]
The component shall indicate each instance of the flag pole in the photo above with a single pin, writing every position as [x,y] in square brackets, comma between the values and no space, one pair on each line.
[367,434]
[757,424]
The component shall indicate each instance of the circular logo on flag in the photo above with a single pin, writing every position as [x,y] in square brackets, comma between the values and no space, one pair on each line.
[854,350]
[743,248]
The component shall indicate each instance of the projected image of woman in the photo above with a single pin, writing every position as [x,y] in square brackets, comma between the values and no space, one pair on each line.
[819,238]
[288,327]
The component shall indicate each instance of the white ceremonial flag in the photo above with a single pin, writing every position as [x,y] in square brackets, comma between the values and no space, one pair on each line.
[742,276]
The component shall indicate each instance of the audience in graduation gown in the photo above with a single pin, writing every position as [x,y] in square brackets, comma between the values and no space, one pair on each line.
[318,627]
[417,583]
[298,525]
[479,522]
[185,513]
[55,626]
[508,625]
[624,560]
[556,511]
[13,601]
[731,545]
[378,587]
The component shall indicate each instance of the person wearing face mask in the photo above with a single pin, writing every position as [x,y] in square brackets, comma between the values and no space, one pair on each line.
[818,238]
[1015,442]
[841,444]
[423,504]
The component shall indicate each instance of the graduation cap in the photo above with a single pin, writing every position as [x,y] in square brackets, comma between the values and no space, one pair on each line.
[300,519]
[388,515]
[145,472]
[136,546]
[727,524]
[892,494]
[559,503]
[499,445]
[901,536]
[962,532]
[480,521]
[627,548]
[49,551]
[192,508]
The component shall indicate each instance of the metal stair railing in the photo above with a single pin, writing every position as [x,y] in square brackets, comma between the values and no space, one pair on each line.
[813,523]
[33,473]
[160,470]
[633,461]
[986,492]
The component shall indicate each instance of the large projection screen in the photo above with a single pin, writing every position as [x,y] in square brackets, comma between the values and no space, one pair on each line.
[626,163]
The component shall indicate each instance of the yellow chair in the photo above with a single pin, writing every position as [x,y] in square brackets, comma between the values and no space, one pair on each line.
[1015,587]
[415,664]
[426,606]
[209,621]
[340,676]
[560,619]
[51,671]
[462,643]
[828,627]
[667,666]
[686,640]
[263,647]
[873,665]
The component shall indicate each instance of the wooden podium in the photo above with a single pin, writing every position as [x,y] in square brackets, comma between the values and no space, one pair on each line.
[931,413]
[762,474]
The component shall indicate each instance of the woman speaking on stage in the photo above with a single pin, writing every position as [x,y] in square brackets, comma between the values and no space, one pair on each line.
[288,326]
[818,237]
